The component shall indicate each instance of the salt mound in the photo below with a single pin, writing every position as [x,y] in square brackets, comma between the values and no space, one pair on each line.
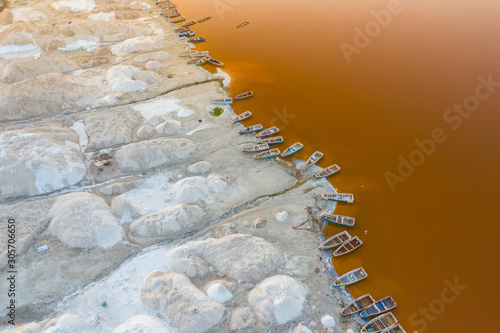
[136,44]
[25,69]
[145,132]
[327,321]
[158,56]
[168,222]
[153,65]
[150,154]
[184,113]
[158,107]
[75,5]
[169,127]
[66,323]
[103,16]
[199,168]
[120,79]
[350,330]
[242,318]
[282,216]
[39,160]
[278,299]
[300,328]
[216,182]
[176,296]
[190,190]
[6,17]
[219,293]
[81,44]
[144,324]
[84,220]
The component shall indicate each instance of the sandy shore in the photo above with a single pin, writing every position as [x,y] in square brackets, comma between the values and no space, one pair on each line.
[135,209]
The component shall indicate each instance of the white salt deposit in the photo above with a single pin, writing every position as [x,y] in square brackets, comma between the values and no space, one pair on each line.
[158,107]
[282,216]
[225,76]
[190,190]
[185,112]
[327,321]
[13,49]
[199,168]
[75,5]
[81,44]
[103,16]
[26,14]
[216,183]
[120,78]
[145,44]
[219,293]
[144,324]
[79,128]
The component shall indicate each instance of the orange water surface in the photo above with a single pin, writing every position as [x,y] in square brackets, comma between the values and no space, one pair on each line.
[364,100]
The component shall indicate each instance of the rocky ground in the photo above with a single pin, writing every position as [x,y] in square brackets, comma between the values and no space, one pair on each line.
[111,161]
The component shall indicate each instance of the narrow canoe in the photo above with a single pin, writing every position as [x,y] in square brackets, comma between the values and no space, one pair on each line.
[182,29]
[244,95]
[216,62]
[327,171]
[256,148]
[202,61]
[196,40]
[397,328]
[170,14]
[351,277]
[251,129]
[203,19]
[178,19]
[339,197]
[380,323]
[222,101]
[187,24]
[345,221]
[193,61]
[348,246]
[268,132]
[357,305]
[187,33]
[273,140]
[267,154]
[382,306]
[314,158]
[242,116]
[194,54]
[292,149]
[242,24]
[335,240]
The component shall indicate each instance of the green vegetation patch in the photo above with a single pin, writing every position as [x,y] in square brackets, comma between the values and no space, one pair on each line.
[216,112]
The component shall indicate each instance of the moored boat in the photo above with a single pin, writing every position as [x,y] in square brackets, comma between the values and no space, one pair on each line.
[338,197]
[216,62]
[268,132]
[187,24]
[351,277]
[251,129]
[194,54]
[255,148]
[244,95]
[384,305]
[192,61]
[335,240]
[181,29]
[222,101]
[357,305]
[380,323]
[348,246]
[187,33]
[397,328]
[326,172]
[171,14]
[272,140]
[202,61]
[196,39]
[203,19]
[345,221]
[292,149]
[314,158]
[242,116]
[178,19]
[267,154]
[242,24]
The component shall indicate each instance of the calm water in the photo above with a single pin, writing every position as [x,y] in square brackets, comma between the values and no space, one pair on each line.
[440,221]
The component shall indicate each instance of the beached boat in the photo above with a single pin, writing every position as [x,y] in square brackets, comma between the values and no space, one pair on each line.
[216,62]
[241,25]
[272,140]
[351,277]
[314,158]
[346,221]
[268,132]
[187,33]
[244,95]
[196,40]
[192,61]
[327,171]
[397,328]
[182,29]
[380,323]
[251,129]
[267,154]
[292,149]
[194,54]
[203,19]
[382,306]
[256,148]
[357,305]
[222,101]
[187,24]
[335,240]
[202,61]
[348,246]
[178,19]
[242,116]
[171,14]
[339,197]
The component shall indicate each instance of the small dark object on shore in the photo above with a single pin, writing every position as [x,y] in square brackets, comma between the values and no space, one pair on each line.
[317,270]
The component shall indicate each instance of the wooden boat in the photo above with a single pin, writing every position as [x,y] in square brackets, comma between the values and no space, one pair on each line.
[171,14]
[187,33]
[244,95]
[202,61]
[382,306]
[335,240]
[255,148]
[216,62]
[357,305]
[292,149]
[203,19]
[314,158]
[222,101]
[339,219]
[241,25]
[187,24]
[273,140]
[380,323]
[348,246]
[251,129]
[267,154]
[351,277]
[178,19]
[242,116]
[397,328]
[194,54]
[196,40]
[327,171]
[182,29]
[339,197]
[193,61]
[268,132]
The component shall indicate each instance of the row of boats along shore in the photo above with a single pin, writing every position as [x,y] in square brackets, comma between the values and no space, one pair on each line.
[378,312]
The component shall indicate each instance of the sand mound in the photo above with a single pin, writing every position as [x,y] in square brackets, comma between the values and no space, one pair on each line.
[216,182]
[169,127]
[120,79]
[199,168]
[144,324]
[190,190]
[6,17]
[39,160]
[189,308]
[84,220]
[241,318]
[158,56]
[145,132]
[25,69]
[138,44]
[103,16]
